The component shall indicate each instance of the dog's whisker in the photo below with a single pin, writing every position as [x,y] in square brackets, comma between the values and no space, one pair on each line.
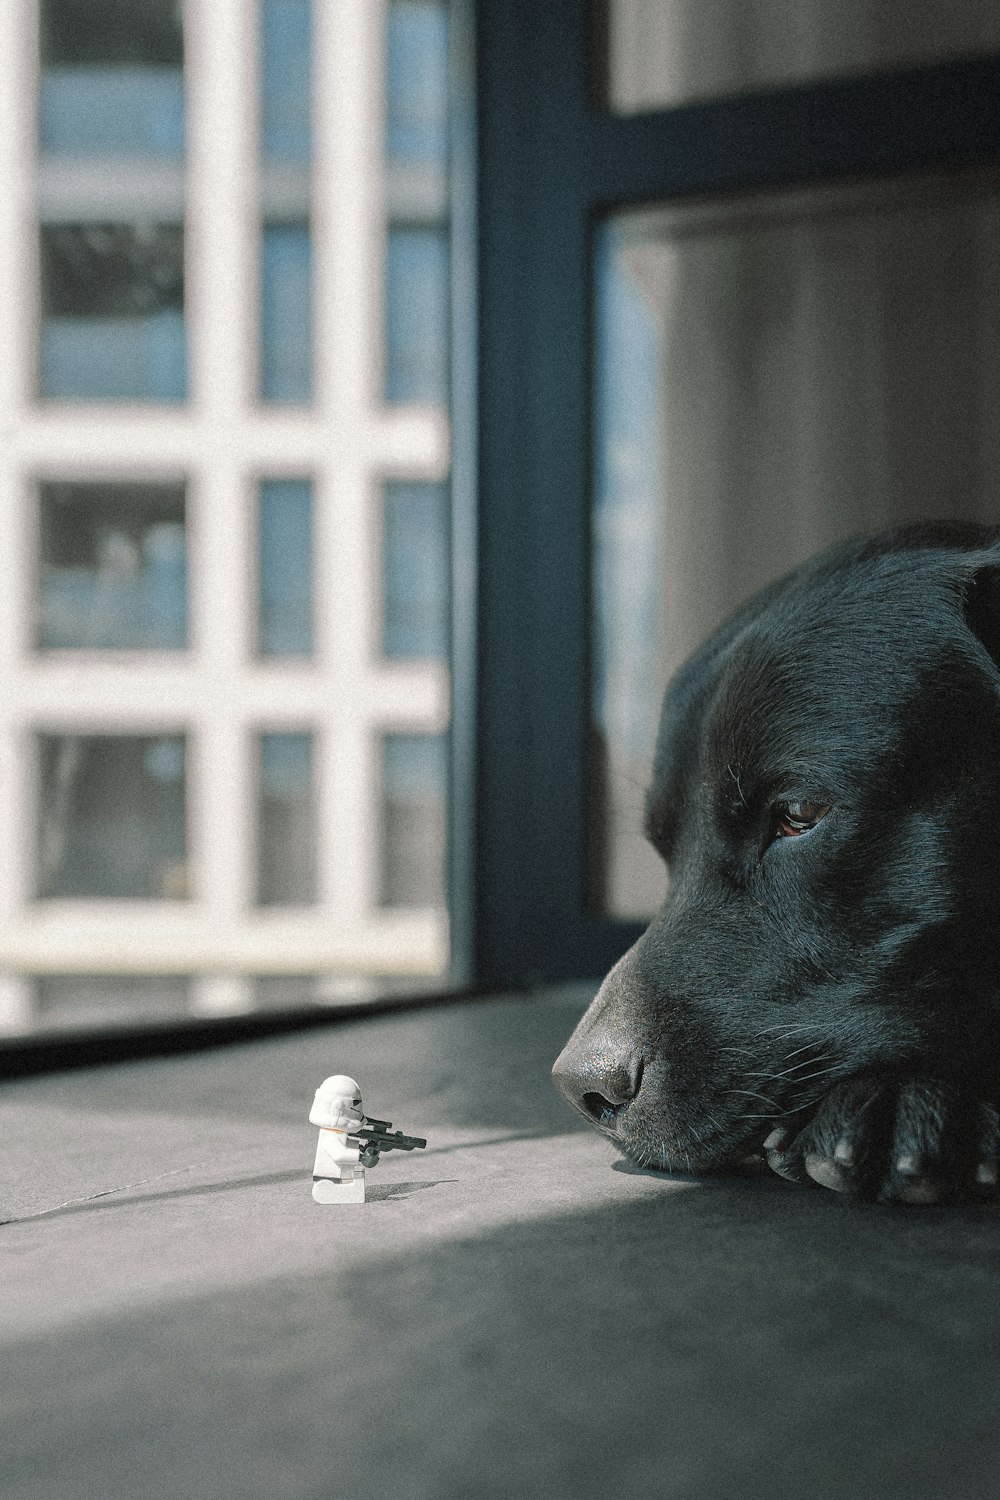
[786,1028]
[806,1062]
[808,1047]
[819,1073]
[751,1094]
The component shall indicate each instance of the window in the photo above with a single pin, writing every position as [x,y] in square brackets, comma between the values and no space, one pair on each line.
[228,546]
[286,820]
[285,568]
[660,55]
[417,267]
[415,570]
[286,80]
[112,566]
[111,816]
[673,201]
[112,80]
[413,819]
[286,321]
[112,312]
[844,332]
[416,314]
[286,255]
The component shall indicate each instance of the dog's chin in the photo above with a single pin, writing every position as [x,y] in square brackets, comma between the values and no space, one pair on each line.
[660,1145]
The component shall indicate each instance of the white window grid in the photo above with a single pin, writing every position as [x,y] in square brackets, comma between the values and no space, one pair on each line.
[222,442]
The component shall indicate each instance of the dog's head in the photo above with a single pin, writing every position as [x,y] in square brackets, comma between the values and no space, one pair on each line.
[826,798]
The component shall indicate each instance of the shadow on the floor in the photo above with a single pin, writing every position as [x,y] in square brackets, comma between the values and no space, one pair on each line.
[377,1192]
[739,1339]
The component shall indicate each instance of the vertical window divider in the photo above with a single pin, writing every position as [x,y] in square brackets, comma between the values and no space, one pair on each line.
[221,62]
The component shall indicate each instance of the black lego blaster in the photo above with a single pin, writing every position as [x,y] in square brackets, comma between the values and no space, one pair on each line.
[378,1136]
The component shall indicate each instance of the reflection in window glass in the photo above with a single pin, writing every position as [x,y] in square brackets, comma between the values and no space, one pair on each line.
[286,820]
[286,72]
[773,374]
[417,83]
[285,568]
[415,570]
[111,816]
[286,313]
[112,566]
[112,312]
[659,53]
[416,310]
[112,78]
[414,791]
[77,1000]
[117,32]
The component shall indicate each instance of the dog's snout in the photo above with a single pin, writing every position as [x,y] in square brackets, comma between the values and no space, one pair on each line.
[598,1081]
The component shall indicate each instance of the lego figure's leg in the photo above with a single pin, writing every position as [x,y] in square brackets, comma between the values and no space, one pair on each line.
[350,1188]
[336,1180]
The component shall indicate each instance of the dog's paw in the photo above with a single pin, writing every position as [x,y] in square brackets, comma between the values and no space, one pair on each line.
[919,1141]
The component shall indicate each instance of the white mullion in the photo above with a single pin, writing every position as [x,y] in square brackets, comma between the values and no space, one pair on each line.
[18,219]
[18,339]
[346,207]
[220,237]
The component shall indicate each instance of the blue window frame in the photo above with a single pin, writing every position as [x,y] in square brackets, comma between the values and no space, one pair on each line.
[551,165]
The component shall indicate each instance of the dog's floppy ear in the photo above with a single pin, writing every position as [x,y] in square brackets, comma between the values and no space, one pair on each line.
[981,607]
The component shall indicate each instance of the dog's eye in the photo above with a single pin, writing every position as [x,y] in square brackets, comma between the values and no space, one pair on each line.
[795,818]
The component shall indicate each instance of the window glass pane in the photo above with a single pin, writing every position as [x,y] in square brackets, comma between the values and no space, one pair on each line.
[417,315]
[286,827]
[285,568]
[111,816]
[415,570]
[104,111]
[659,53]
[286,313]
[112,566]
[417,83]
[286,73]
[414,789]
[111,78]
[112,312]
[773,374]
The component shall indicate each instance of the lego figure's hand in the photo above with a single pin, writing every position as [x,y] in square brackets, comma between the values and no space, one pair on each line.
[369,1154]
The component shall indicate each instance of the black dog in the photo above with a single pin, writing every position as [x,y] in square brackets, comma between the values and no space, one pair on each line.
[823,979]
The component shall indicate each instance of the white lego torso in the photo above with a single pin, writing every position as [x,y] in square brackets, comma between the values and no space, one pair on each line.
[333,1154]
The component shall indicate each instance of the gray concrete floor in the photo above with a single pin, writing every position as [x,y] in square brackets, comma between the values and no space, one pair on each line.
[512,1313]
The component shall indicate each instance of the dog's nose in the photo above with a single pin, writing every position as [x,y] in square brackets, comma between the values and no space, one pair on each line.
[598,1079]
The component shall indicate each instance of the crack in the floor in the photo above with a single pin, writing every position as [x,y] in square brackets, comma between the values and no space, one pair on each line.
[123,1187]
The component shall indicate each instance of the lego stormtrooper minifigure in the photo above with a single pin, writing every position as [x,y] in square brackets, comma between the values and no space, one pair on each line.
[339,1171]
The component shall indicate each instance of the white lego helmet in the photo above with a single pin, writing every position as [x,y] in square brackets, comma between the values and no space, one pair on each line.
[337,1105]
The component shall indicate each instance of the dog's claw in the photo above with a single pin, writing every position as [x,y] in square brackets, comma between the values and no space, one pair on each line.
[827,1172]
[921,1141]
